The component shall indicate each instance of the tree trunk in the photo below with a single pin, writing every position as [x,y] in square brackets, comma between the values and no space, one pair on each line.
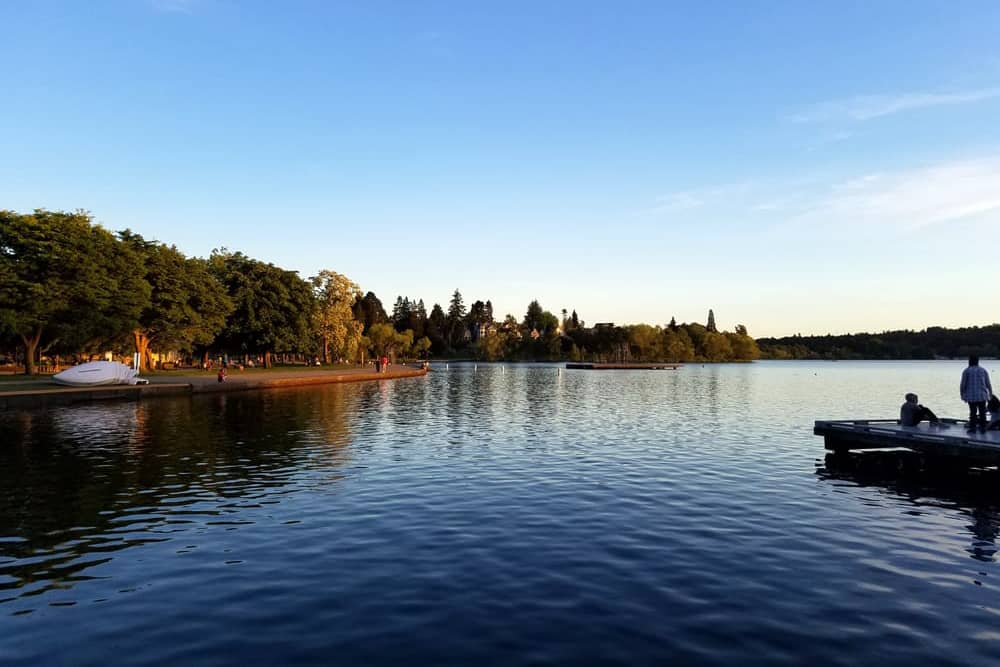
[326,350]
[30,350]
[267,359]
[141,341]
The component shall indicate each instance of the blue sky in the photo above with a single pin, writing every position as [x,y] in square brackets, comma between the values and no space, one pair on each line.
[797,168]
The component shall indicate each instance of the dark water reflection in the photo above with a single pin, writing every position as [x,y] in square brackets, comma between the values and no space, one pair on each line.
[973,492]
[524,514]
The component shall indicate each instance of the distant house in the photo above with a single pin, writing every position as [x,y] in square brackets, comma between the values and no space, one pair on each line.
[507,328]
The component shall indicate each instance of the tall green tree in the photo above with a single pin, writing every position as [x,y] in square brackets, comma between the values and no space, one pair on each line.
[456,319]
[368,310]
[478,318]
[188,305]
[437,329]
[65,282]
[533,317]
[711,322]
[273,307]
[335,295]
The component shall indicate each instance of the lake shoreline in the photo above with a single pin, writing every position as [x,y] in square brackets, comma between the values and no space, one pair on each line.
[49,394]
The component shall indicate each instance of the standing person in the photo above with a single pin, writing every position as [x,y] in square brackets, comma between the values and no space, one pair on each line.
[975,390]
[385,363]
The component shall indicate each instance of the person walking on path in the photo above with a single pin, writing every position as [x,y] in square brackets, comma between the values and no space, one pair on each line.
[975,390]
[385,363]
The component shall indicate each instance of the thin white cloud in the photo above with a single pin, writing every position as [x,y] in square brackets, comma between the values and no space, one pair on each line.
[686,200]
[885,205]
[909,200]
[868,107]
[679,201]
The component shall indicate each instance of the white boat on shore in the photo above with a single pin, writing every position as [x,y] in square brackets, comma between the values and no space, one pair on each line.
[96,373]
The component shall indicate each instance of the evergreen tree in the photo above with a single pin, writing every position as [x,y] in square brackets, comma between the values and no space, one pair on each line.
[397,310]
[456,319]
[575,320]
[533,316]
[477,318]
[673,324]
[456,309]
[711,322]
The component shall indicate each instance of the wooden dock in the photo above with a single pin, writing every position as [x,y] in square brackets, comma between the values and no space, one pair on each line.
[945,439]
[622,367]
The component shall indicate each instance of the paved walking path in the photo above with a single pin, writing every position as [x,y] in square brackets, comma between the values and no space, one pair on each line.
[42,393]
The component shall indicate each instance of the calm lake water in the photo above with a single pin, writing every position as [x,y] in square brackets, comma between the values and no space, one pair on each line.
[489,515]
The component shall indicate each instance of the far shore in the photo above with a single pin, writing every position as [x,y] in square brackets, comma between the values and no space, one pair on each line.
[42,391]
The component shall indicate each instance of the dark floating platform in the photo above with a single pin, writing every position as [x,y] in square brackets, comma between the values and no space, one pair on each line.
[946,439]
[622,367]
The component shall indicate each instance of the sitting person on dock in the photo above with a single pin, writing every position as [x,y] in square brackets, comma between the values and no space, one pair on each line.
[993,405]
[912,413]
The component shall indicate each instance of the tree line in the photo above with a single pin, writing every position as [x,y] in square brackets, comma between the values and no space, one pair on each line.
[70,287]
[929,343]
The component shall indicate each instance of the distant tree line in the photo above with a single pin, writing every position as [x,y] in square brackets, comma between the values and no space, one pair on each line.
[930,343]
[69,287]
[540,335]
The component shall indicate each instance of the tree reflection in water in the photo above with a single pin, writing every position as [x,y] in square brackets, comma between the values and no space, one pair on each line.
[79,483]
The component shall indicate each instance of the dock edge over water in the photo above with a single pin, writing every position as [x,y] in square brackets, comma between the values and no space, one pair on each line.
[948,438]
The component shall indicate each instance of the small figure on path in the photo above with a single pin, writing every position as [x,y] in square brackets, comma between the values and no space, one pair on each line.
[912,413]
[976,390]
[385,363]
[222,374]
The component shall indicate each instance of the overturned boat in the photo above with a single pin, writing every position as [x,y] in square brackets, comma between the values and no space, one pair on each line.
[95,373]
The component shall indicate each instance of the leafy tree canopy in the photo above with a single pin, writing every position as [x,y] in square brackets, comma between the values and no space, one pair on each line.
[339,331]
[188,305]
[273,307]
[66,283]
